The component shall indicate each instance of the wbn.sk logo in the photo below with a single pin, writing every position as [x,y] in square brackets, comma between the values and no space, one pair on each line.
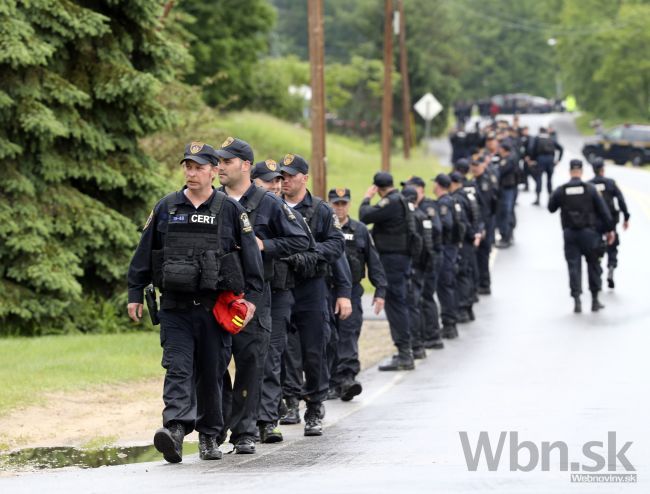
[601,456]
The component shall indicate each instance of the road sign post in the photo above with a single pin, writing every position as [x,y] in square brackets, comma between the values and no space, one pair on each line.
[427,107]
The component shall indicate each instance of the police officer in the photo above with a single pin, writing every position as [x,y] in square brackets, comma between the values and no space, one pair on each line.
[419,267]
[610,191]
[185,233]
[582,208]
[361,254]
[310,316]
[430,319]
[391,218]
[452,235]
[278,235]
[507,193]
[524,155]
[543,152]
[487,190]
[465,194]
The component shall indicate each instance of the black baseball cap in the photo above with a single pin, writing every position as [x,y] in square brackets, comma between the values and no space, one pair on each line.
[339,195]
[410,193]
[506,146]
[413,181]
[203,154]
[597,163]
[294,164]
[382,179]
[457,177]
[235,148]
[575,164]
[443,180]
[266,170]
[462,165]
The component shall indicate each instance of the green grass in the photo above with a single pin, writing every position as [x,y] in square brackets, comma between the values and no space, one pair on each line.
[350,162]
[31,367]
[583,121]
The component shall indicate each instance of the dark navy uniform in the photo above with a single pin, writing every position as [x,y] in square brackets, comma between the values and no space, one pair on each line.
[361,253]
[196,350]
[310,316]
[467,267]
[543,151]
[582,208]
[276,226]
[430,318]
[487,189]
[420,266]
[612,196]
[453,223]
[390,234]
[507,195]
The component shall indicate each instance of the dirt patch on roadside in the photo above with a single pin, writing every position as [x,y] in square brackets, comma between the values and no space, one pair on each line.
[123,413]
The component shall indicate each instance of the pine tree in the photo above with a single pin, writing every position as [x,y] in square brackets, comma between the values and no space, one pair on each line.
[78,86]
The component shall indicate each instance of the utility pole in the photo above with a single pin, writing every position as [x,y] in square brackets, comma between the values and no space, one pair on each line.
[387,103]
[406,89]
[317,63]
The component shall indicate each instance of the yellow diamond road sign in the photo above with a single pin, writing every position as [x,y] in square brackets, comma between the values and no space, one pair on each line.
[428,106]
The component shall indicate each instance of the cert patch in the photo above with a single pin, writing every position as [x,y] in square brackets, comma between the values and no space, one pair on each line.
[349,236]
[599,188]
[245,223]
[411,206]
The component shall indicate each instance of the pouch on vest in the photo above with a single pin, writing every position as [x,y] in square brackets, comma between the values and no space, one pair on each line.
[210,268]
[157,258]
[180,275]
[231,275]
[282,276]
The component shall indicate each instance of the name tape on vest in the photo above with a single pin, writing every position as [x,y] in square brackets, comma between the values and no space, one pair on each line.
[575,191]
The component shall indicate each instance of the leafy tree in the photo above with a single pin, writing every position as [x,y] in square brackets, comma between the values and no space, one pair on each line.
[228,38]
[79,81]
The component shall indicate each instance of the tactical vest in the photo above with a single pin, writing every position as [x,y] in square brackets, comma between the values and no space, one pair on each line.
[469,191]
[398,236]
[460,228]
[426,231]
[607,194]
[577,206]
[192,260]
[545,145]
[355,254]
[436,235]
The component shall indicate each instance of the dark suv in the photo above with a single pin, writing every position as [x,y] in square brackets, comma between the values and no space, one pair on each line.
[621,144]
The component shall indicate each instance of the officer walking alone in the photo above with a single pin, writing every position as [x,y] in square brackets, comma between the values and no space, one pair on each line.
[188,235]
[582,208]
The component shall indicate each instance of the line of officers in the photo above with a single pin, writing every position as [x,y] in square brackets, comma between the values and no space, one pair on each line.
[294,263]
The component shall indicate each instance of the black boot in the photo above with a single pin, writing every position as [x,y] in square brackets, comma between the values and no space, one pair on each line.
[334,393]
[270,433]
[595,303]
[209,447]
[402,361]
[470,313]
[577,305]
[245,445]
[419,353]
[536,202]
[449,331]
[293,415]
[313,421]
[610,276]
[434,344]
[350,388]
[169,441]
[463,316]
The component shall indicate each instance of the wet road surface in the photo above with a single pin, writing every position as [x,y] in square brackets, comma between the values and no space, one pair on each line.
[527,365]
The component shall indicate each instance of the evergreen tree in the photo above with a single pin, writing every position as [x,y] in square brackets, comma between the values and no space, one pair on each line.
[78,80]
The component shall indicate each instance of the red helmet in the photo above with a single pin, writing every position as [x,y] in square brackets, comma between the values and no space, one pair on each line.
[229,312]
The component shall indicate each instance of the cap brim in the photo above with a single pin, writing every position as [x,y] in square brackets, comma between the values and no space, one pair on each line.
[339,199]
[222,153]
[267,177]
[290,170]
[197,159]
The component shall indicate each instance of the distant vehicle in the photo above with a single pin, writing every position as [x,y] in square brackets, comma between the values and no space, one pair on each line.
[523,103]
[621,144]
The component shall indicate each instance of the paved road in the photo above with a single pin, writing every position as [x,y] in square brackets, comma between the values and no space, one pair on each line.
[528,365]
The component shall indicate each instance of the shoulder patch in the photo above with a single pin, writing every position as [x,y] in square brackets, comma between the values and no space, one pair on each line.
[337,223]
[457,207]
[600,187]
[245,223]
[443,209]
[148,222]
[431,211]
[288,212]
[383,202]
[411,206]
